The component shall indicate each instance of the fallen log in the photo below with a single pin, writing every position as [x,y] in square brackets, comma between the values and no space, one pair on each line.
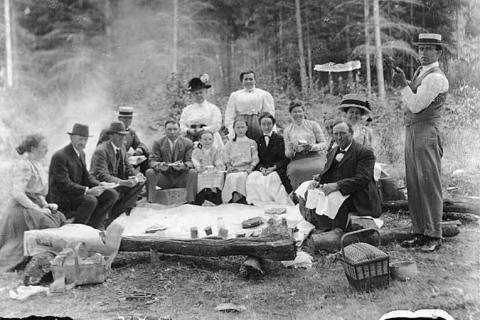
[459,206]
[386,236]
[267,248]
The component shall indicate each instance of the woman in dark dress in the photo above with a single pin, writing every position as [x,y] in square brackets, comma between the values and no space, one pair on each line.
[269,181]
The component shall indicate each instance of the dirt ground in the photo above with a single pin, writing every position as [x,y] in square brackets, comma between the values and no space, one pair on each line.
[190,288]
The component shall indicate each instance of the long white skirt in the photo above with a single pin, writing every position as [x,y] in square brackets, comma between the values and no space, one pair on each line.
[235,181]
[268,188]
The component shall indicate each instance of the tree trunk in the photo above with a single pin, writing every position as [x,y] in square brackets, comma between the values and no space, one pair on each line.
[366,7]
[378,47]
[309,56]
[175,37]
[8,44]
[303,72]
[266,248]
[461,13]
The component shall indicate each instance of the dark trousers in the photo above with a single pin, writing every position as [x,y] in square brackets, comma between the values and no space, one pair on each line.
[325,223]
[127,199]
[90,210]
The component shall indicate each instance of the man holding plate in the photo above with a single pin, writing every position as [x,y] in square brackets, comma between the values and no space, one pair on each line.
[78,194]
[110,164]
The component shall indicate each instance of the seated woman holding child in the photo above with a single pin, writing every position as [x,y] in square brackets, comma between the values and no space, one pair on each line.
[28,209]
[269,183]
[240,158]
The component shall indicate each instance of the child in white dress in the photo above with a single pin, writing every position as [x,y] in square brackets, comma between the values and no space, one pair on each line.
[240,157]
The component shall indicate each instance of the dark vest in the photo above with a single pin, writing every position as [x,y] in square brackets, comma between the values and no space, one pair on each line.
[431,113]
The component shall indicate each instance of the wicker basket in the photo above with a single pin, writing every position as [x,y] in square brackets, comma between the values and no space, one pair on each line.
[366,266]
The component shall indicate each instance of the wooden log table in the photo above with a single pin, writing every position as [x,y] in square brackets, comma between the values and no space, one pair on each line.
[264,248]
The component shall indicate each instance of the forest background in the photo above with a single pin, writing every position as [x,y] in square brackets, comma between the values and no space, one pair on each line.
[78,60]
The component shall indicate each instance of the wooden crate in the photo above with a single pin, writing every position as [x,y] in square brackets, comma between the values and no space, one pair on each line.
[171,196]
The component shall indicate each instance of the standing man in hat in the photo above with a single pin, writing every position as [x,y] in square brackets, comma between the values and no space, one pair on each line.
[248,103]
[125,115]
[201,115]
[423,99]
[77,193]
[110,164]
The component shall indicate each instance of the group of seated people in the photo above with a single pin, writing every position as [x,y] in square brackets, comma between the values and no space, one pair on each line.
[268,168]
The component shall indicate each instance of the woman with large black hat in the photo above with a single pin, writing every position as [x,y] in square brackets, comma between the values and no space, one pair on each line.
[201,115]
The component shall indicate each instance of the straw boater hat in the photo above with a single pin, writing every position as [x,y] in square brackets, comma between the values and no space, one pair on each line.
[356,101]
[125,111]
[198,83]
[429,38]
[117,127]
[79,130]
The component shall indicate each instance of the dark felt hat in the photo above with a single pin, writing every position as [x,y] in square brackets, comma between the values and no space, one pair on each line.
[197,84]
[355,101]
[79,130]
[117,127]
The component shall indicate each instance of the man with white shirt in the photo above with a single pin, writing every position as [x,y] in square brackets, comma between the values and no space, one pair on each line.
[349,170]
[201,115]
[110,164]
[248,103]
[423,99]
[79,195]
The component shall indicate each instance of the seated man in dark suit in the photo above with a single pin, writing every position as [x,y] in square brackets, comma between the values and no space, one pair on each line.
[77,193]
[349,170]
[125,115]
[110,164]
[171,163]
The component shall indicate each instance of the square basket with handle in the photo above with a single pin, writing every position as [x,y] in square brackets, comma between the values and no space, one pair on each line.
[365,266]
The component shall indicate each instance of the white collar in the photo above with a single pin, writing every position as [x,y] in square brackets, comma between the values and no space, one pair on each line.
[115,148]
[249,90]
[76,151]
[269,135]
[346,149]
[429,66]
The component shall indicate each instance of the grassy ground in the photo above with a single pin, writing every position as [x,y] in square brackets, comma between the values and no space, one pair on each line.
[190,288]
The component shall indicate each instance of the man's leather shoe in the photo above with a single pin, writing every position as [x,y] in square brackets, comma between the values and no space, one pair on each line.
[417,241]
[431,245]
[329,240]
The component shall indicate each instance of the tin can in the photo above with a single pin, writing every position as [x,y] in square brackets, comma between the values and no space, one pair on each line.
[223,232]
[193,232]
[208,230]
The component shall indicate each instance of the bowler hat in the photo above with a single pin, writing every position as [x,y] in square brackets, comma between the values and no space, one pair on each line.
[79,130]
[117,127]
[125,111]
[356,101]
[197,84]
[429,39]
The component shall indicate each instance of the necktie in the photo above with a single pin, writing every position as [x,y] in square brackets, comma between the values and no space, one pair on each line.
[267,139]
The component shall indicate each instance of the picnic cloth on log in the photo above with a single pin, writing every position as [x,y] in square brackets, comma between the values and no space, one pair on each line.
[178,221]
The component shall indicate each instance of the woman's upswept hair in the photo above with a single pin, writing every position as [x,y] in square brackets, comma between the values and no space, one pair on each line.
[29,143]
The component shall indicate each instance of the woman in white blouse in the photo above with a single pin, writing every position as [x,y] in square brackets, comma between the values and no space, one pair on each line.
[27,208]
[201,115]
[248,103]
[305,145]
